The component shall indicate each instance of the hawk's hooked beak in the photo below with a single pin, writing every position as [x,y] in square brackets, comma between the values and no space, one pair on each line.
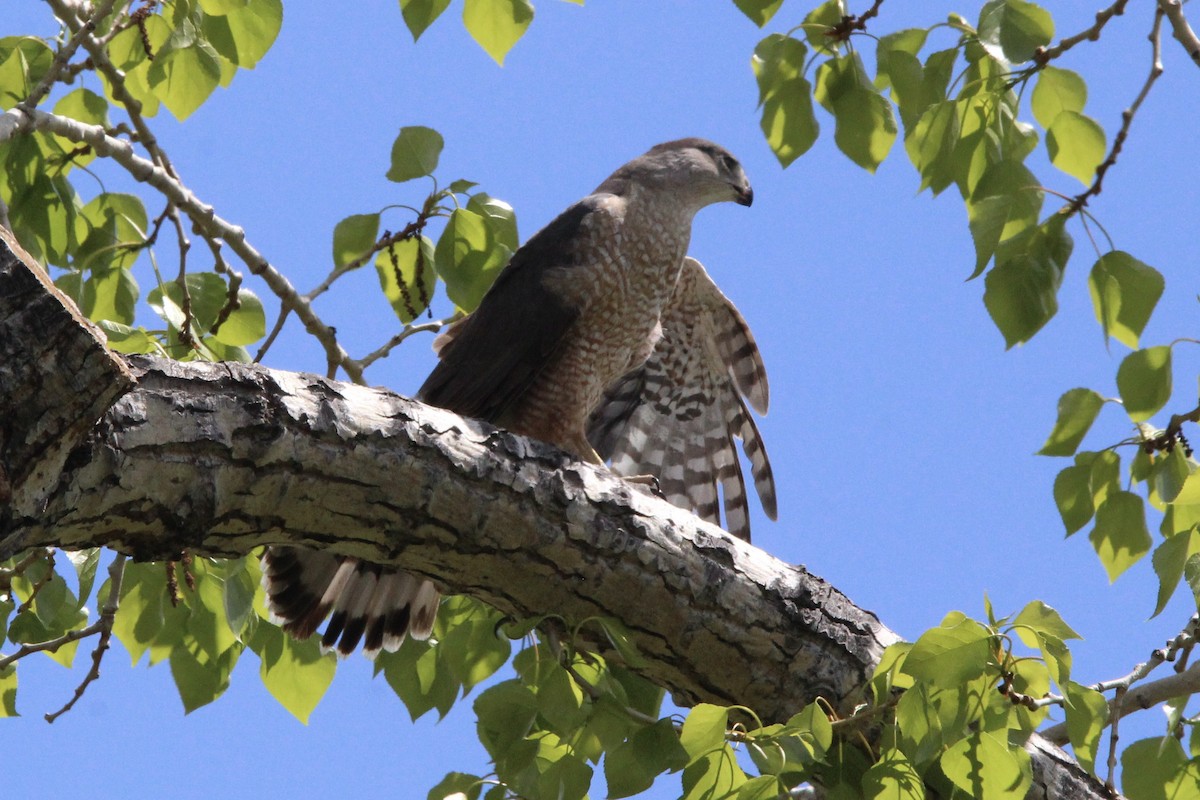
[745,196]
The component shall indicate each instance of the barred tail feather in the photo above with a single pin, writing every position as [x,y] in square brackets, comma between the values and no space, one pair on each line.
[377,606]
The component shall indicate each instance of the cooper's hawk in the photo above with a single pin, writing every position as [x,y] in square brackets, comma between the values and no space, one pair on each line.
[598,337]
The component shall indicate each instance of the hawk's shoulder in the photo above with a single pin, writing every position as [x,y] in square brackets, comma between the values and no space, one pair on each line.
[491,357]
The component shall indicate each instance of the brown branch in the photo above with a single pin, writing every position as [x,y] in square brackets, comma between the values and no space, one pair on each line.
[204,218]
[103,626]
[853,23]
[425,327]
[1044,55]
[1156,69]
[1172,435]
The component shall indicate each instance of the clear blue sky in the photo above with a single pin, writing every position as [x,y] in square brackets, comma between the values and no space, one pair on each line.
[901,432]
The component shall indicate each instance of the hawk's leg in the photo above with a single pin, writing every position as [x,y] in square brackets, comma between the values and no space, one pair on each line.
[648,483]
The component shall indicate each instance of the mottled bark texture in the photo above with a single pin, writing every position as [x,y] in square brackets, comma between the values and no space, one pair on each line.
[222,458]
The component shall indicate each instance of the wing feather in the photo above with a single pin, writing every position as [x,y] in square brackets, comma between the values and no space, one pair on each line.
[679,414]
[490,358]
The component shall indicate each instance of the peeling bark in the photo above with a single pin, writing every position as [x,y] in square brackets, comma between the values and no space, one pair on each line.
[222,458]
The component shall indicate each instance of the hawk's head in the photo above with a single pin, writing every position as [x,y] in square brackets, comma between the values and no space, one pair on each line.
[693,169]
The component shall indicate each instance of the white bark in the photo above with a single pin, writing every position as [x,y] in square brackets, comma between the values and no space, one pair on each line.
[221,458]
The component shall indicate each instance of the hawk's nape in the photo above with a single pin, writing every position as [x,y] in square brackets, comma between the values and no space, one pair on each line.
[577,307]
[678,415]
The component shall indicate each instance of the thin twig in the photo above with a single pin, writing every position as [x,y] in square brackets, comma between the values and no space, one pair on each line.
[116,85]
[1134,698]
[1156,69]
[1181,29]
[104,625]
[1044,55]
[408,330]
[80,31]
[852,23]
[202,215]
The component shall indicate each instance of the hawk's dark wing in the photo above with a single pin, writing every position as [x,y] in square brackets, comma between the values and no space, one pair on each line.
[490,358]
[676,417]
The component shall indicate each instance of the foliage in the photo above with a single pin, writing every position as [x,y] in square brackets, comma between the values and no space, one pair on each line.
[970,103]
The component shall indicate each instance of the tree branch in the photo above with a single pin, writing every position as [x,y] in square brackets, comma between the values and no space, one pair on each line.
[222,458]
[1182,30]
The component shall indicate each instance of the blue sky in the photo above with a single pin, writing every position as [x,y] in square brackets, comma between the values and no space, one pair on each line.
[901,432]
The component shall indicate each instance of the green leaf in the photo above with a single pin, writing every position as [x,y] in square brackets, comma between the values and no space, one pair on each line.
[1124,293]
[812,735]
[420,14]
[499,216]
[984,767]
[468,257]
[930,145]
[1105,477]
[456,784]
[1120,536]
[8,691]
[497,24]
[416,676]
[1038,617]
[246,323]
[1057,90]
[951,655]
[892,777]
[469,646]
[295,672]
[1076,145]
[987,219]
[407,276]
[185,72]
[85,563]
[110,228]
[764,787]
[24,60]
[1014,29]
[415,153]
[759,11]
[785,97]
[244,32]
[200,677]
[1191,574]
[715,775]
[1144,381]
[1087,712]
[87,107]
[1021,291]
[818,22]
[632,766]
[1168,475]
[1012,180]
[1169,560]
[1157,768]
[1077,410]
[865,128]
[506,713]
[704,730]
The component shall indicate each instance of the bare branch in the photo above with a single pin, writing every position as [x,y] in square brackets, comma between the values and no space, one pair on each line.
[1044,55]
[104,626]
[1181,29]
[81,31]
[425,327]
[203,217]
[1156,69]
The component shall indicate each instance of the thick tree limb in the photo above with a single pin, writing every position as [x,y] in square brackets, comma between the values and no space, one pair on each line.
[221,458]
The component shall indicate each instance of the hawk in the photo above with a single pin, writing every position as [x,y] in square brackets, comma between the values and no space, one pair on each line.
[601,337]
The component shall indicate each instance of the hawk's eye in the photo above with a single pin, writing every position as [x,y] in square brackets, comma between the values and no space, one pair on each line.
[727,163]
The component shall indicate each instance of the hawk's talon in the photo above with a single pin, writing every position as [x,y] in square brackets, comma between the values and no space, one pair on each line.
[650,482]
